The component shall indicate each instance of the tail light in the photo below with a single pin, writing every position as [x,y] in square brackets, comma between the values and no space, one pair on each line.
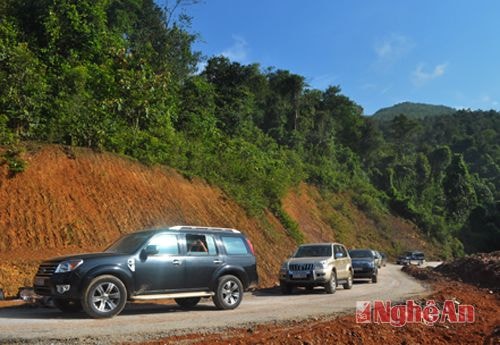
[251,246]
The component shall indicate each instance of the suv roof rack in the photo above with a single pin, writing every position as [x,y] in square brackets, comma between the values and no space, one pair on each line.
[190,227]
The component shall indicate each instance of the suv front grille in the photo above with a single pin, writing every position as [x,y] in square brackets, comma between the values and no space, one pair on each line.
[301,267]
[47,269]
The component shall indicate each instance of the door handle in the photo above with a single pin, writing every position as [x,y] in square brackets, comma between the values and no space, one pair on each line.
[217,261]
[176,262]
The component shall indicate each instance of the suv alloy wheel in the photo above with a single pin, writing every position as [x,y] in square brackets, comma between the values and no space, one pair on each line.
[105,296]
[331,285]
[229,292]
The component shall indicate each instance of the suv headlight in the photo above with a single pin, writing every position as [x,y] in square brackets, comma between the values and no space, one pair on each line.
[68,266]
[322,264]
[284,268]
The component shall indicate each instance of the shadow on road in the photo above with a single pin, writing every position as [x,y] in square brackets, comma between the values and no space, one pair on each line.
[45,313]
[31,311]
[276,291]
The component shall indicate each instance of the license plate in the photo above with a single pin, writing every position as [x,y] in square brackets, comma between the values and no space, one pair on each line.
[40,281]
[358,269]
[299,275]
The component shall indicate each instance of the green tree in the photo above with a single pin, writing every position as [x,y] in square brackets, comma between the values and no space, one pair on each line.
[23,91]
[423,172]
[439,160]
[346,116]
[403,130]
[458,189]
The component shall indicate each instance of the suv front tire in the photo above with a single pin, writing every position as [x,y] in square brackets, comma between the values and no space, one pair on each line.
[348,285]
[331,285]
[105,296]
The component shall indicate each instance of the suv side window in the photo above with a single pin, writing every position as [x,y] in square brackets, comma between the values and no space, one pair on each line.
[200,245]
[338,249]
[234,245]
[166,244]
[343,251]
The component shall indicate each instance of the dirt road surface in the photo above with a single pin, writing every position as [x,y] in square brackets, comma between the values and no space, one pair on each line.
[139,322]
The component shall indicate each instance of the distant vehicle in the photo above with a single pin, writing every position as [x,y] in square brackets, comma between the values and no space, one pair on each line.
[364,264]
[378,258]
[185,263]
[317,264]
[411,258]
[384,259]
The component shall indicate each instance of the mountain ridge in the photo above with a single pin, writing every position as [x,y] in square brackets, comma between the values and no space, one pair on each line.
[412,110]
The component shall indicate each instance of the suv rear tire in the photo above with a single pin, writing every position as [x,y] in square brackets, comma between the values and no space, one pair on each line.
[68,305]
[105,296]
[331,285]
[228,293]
[187,303]
[348,285]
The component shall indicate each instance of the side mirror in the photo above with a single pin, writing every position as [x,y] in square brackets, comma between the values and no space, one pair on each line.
[151,250]
[339,256]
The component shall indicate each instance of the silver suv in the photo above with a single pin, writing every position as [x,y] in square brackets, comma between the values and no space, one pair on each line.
[317,264]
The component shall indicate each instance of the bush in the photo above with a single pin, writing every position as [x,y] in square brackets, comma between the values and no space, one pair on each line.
[290,225]
[15,164]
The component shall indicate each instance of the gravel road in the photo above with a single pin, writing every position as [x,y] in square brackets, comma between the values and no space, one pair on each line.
[143,321]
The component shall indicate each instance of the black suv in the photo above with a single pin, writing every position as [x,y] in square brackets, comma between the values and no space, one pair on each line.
[411,257]
[181,262]
[364,263]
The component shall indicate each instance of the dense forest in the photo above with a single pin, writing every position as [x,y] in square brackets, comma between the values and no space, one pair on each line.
[121,76]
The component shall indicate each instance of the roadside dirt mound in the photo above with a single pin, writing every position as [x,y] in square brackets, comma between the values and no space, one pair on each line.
[72,200]
[76,200]
[344,330]
[482,270]
[423,273]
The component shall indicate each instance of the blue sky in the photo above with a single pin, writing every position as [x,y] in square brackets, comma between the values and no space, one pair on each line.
[380,52]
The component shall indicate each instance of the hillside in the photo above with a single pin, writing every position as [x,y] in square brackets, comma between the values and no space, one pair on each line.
[120,77]
[412,110]
[77,200]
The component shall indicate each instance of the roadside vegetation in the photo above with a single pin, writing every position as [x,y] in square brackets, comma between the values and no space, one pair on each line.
[121,76]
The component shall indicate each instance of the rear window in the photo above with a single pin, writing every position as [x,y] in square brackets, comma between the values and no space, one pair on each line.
[234,245]
[360,253]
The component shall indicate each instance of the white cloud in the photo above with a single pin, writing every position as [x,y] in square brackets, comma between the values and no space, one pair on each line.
[486,100]
[420,76]
[392,47]
[323,81]
[376,89]
[238,51]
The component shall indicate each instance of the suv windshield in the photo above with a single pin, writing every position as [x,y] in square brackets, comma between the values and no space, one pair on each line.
[128,244]
[361,254]
[313,251]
